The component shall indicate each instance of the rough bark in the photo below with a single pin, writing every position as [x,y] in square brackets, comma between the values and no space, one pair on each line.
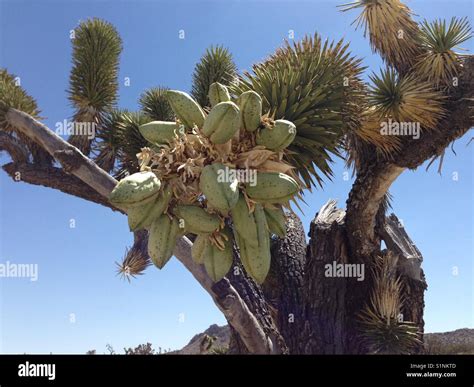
[324,329]
[56,178]
[283,287]
[409,269]
[253,296]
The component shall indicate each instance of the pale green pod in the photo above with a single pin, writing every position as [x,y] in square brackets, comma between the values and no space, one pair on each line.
[135,190]
[250,104]
[222,122]
[143,216]
[272,187]
[186,108]
[276,221]
[160,132]
[218,93]
[278,137]
[255,257]
[136,215]
[243,221]
[162,239]
[218,262]
[197,220]
[220,191]
[198,249]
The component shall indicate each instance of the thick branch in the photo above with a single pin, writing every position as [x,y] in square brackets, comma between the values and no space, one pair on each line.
[74,162]
[17,151]
[55,178]
[71,158]
[398,241]
[374,179]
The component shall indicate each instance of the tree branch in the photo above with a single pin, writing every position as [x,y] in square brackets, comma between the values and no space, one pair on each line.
[71,158]
[227,299]
[375,178]
[17,151]
[55,178]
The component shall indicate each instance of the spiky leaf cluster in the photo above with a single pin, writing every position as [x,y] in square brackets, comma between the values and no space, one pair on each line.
[12,95]
[308,83]
[440,62]
[93,81]
[155,105]
[216,65]
[383,329]
[131,141]
[392,32]
[405,99]
[108,141]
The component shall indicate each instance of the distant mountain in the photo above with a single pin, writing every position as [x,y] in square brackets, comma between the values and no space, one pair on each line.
[216,338]
[460,341]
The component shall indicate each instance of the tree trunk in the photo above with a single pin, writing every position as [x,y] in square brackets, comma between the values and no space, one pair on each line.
[314,312]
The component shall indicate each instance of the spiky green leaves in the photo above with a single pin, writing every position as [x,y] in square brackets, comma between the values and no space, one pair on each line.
[383,328]
[305,84]
[93,81]
[405,99]
[154,104]
[392,31]
[440,63]
[127,135]
[216,65]
[12,95]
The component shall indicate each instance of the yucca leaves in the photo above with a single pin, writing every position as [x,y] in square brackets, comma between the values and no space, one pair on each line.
[216,65]
[131,141]
[108,141]
[405,99]
[440,62]
[306,83]
[12,95]
[383,328]
[93,82]
[392,32]
[154,104]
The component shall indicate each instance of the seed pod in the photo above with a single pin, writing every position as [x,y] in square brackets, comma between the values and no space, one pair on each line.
[218,93]
[272,187]
[135,190]
[219,189]
[222,122]
[162,239]
[198,250]
[244,221]
[160,132]
[276,221]
[186,109]
[250,104]
[278,137]
[197,220]
[143,216]
[256,257]
[216,261]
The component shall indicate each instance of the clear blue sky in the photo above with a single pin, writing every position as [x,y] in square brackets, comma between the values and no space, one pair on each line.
[76,265]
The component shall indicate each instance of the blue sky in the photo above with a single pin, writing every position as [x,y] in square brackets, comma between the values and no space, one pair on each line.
[78,303]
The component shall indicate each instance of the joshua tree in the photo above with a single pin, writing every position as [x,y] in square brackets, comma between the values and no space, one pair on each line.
[318,86]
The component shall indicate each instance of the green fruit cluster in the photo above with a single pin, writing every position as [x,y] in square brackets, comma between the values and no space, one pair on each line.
[228,210]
